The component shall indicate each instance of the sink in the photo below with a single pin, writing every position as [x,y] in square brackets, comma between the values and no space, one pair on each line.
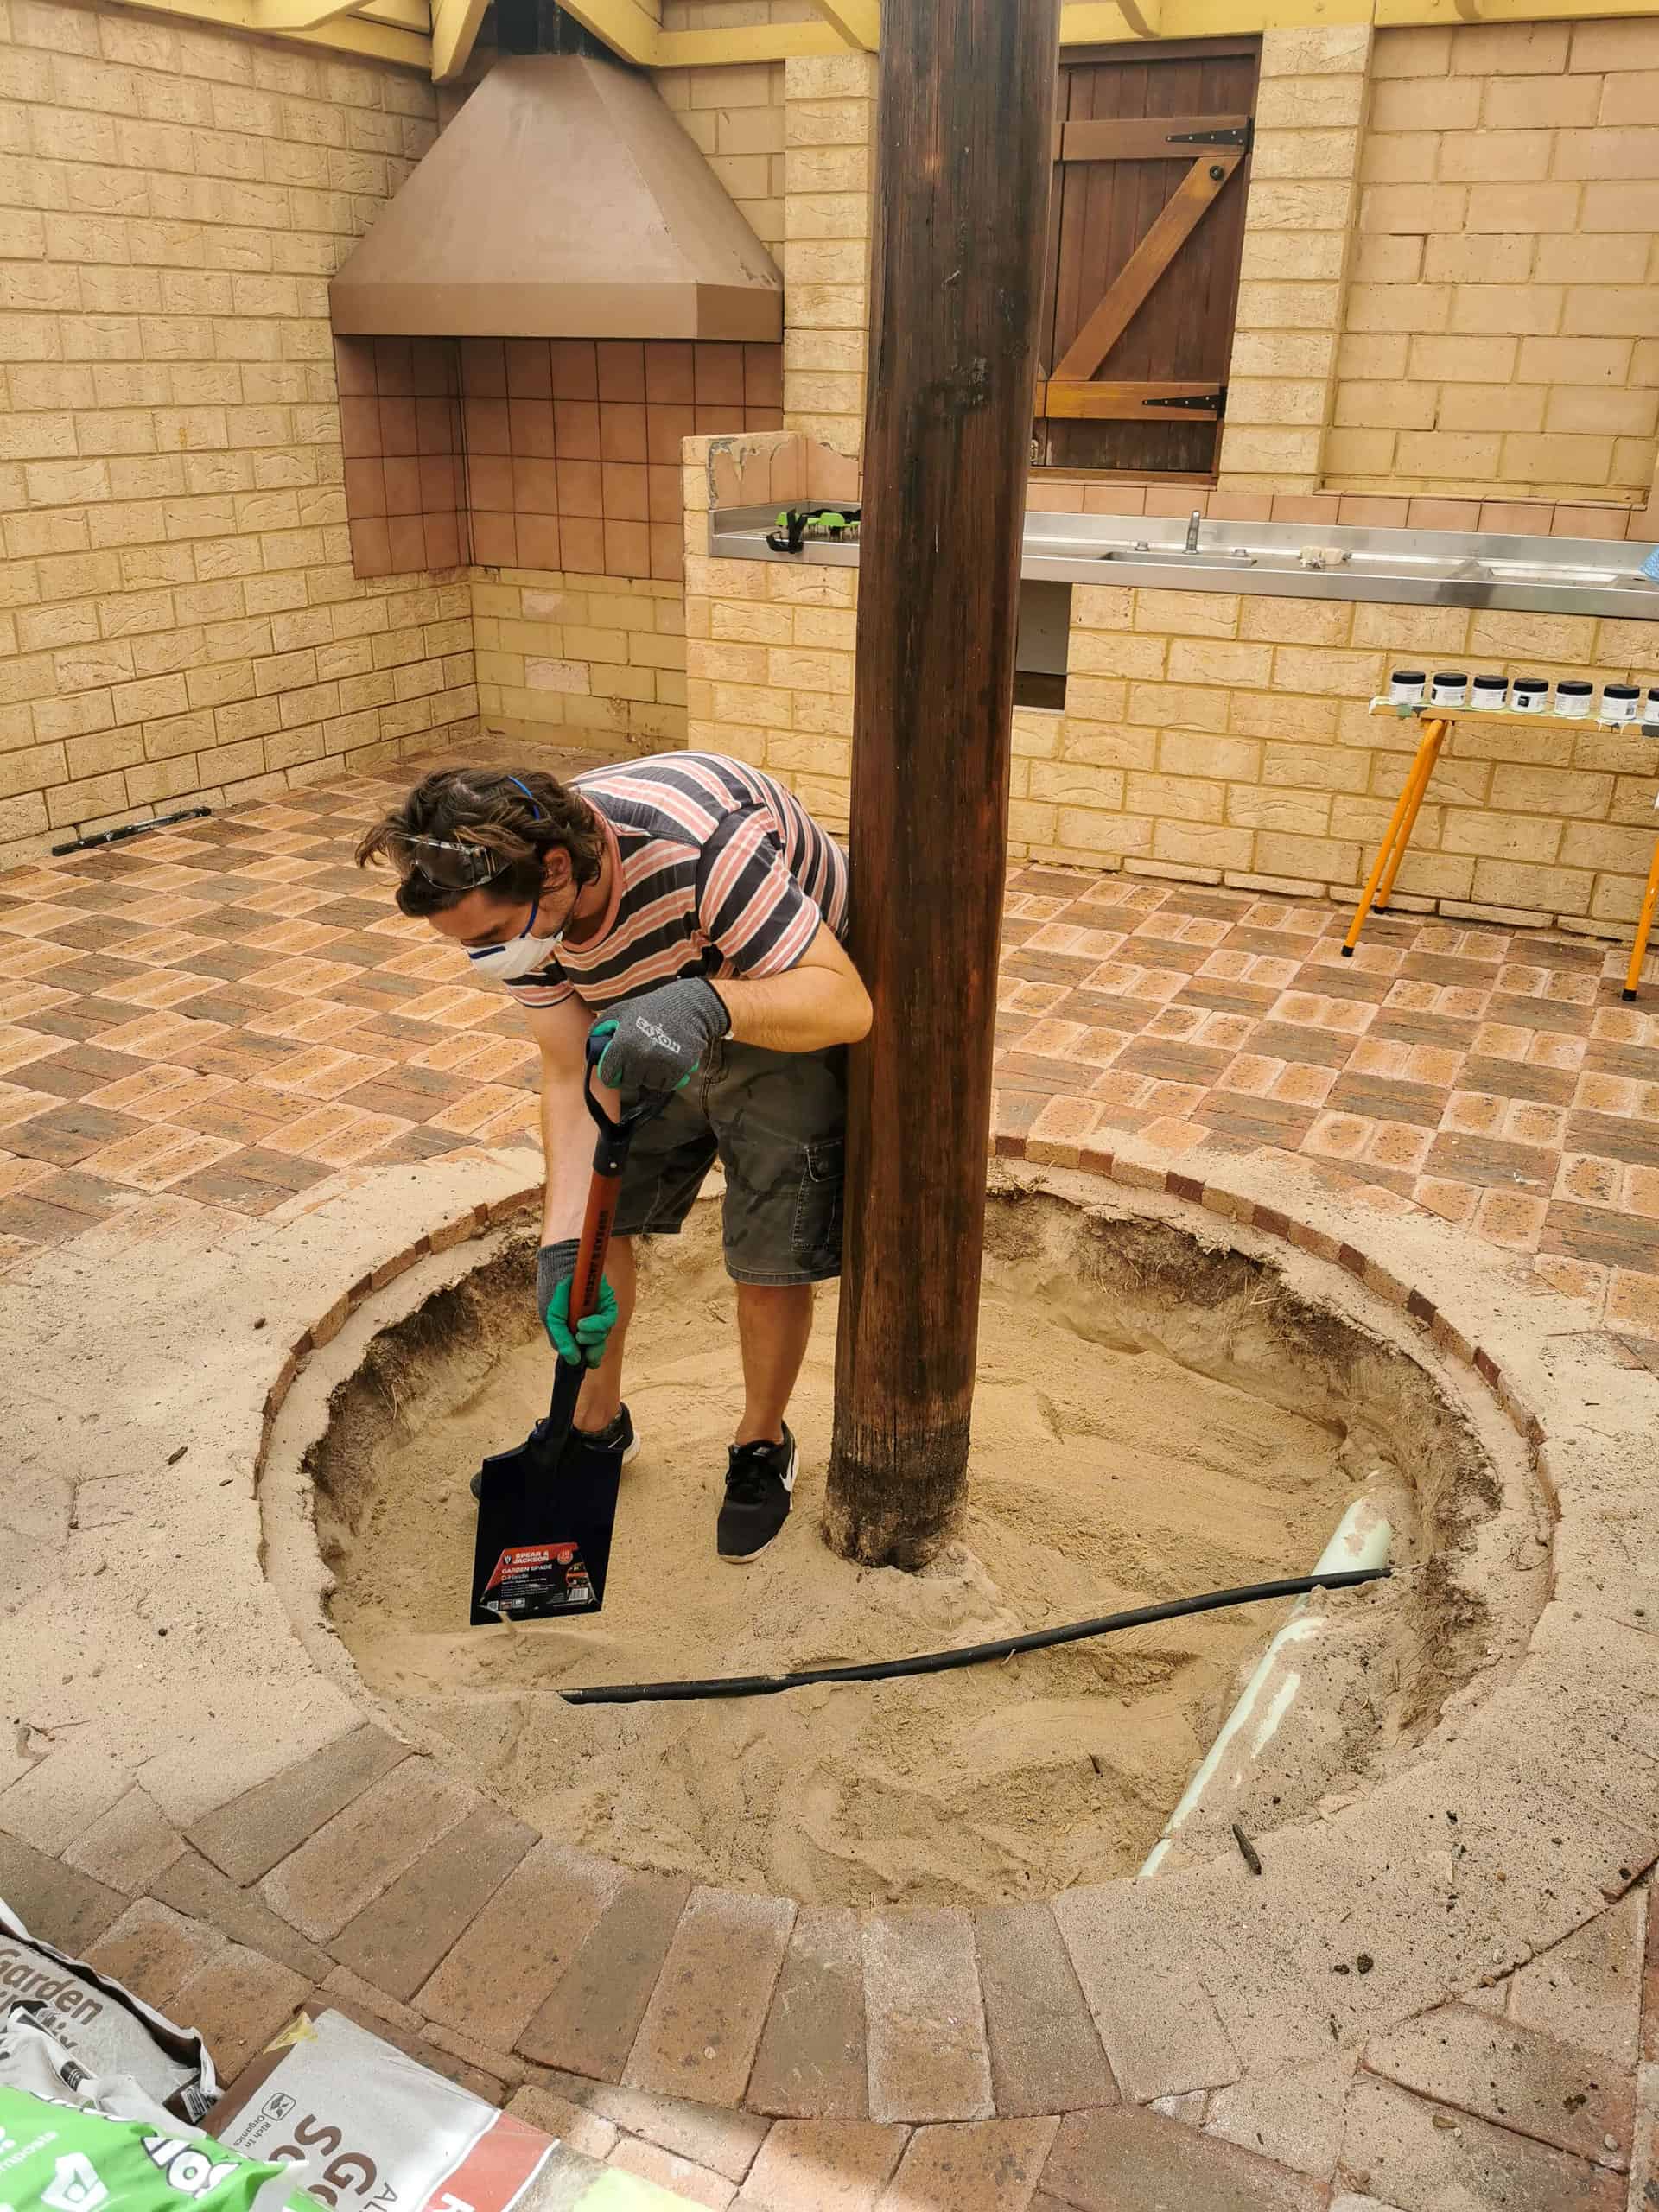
[1524,572]
[1177,556]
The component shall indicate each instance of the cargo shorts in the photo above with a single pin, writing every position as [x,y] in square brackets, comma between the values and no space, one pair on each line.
[776,1121]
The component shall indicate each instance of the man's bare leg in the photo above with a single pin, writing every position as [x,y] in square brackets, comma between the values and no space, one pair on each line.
[774,1324]
[602,1389]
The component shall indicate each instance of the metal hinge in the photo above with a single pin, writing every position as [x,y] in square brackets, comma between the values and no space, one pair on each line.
[1239,136]
[1206,400]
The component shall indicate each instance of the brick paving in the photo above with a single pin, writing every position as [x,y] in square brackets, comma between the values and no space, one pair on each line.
[229,1012]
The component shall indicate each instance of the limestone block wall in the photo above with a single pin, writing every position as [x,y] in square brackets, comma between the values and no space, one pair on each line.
[595,663]
[178,615]
[1220,738]
[1501,329]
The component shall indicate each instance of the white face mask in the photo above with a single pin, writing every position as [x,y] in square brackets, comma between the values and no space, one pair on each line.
[520,956]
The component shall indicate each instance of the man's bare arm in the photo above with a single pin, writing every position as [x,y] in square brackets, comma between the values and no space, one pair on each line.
[561,1034]
[820,1002]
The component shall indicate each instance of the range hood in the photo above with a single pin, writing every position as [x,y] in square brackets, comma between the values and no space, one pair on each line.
[564,202]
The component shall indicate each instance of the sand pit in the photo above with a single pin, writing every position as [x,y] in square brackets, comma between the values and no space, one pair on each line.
[1146,1427]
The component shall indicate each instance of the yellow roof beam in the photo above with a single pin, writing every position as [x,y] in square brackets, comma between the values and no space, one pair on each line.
[341,33]
[857,23]
[1105,22]
[454,33]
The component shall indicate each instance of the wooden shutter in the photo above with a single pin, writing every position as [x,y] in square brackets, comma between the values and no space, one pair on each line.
[1147,228]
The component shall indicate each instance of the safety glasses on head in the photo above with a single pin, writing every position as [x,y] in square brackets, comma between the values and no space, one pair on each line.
[455,866]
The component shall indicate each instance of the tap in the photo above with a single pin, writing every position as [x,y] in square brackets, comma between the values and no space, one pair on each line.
[1192,522]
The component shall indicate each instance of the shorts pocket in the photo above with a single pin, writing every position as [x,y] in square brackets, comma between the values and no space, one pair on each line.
[818,1206]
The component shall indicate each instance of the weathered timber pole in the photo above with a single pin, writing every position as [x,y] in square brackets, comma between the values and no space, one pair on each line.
[965,141]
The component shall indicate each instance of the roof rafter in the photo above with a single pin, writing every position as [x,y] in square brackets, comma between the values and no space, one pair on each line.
[858,21]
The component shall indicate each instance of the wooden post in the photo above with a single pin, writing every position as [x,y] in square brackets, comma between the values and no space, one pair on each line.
[965,141]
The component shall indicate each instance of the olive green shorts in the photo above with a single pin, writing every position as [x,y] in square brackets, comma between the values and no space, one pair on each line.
[776,1121]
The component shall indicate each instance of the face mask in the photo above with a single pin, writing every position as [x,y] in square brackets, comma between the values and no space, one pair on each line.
[520,956]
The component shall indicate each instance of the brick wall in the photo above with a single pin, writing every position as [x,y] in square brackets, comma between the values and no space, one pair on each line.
[597,661]
[178,614]
[735,118]
[1502,326]
[1221,738]
[830,126]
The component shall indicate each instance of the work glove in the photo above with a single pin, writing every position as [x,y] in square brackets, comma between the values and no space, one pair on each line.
[657,1040]
[556,1271]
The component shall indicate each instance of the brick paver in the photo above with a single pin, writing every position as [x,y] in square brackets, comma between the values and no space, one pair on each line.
[588,2023]
[702,2027]
[811,2062]
[399,1939]
[358,1854]
[256,1831]
[1046,2054]
[928,2056]
[503,1968]
[1137,2161]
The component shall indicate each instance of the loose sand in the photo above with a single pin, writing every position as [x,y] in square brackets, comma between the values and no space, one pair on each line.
[1101,1476]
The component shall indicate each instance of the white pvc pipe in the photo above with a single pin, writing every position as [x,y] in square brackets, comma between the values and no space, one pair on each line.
[1361,1539]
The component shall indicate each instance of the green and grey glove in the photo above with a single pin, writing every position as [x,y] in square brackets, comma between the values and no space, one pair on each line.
[556,1270]
[657,1040]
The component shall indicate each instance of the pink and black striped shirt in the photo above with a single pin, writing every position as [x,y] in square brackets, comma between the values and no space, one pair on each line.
[716,870]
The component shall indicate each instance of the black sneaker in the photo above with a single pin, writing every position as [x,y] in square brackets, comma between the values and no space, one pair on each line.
[758,1480]
[616,1436]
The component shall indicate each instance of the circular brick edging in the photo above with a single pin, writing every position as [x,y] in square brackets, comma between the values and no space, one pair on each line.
[1519,1819]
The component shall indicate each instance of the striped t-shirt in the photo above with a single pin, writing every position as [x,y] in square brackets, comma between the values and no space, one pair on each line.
[716,870]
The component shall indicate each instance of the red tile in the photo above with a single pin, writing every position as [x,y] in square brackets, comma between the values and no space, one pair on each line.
[439,478]
[539,541]
[576,429]
[621,368]
[582,540]
[359,428]
[720,376]
[763,376]
[495,543]
[443,546]
[628,549]
[403,486]
[394,368]
[529,423]
[763,418]
[407,538]
[667,553]
[370,548]
[489,482]
[354,367]
[718,421]
[580,488]
[668,376]
[625,491]
[575,369]
[487,427]
[483,368]
[530,369]
[621,431]
[434,366]
[397,421]
[535,487]
[366,489]
[664,494]
[1360,510]
[437,426]
[666,429]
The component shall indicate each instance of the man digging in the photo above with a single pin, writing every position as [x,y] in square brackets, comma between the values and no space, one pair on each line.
[688,910]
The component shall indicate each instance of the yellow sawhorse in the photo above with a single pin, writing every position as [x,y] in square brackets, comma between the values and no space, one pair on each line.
[1379,884]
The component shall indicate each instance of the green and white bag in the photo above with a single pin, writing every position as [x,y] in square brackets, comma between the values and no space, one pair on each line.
[55,2159]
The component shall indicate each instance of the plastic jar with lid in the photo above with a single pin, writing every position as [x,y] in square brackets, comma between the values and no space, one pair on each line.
[1621,703]
[1448,687]
[1573,696]
[1490,692]
[1407,686]
[1530,694]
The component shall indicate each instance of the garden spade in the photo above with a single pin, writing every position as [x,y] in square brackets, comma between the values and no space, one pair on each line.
[546,1510]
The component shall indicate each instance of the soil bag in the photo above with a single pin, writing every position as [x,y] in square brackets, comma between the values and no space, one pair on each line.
[54,2158]
[104,2026]
[376,2128]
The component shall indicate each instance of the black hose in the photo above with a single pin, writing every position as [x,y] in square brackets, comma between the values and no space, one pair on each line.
[969,1655]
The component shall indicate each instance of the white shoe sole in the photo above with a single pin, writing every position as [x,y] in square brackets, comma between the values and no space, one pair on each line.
[747,1559]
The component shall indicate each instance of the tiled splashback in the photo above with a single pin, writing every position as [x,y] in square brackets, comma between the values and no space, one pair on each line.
[560,454]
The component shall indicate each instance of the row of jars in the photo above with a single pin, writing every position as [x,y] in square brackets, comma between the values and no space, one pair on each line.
[1527,695]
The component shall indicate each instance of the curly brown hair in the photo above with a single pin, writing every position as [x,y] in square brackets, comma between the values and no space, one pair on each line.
[485,806]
